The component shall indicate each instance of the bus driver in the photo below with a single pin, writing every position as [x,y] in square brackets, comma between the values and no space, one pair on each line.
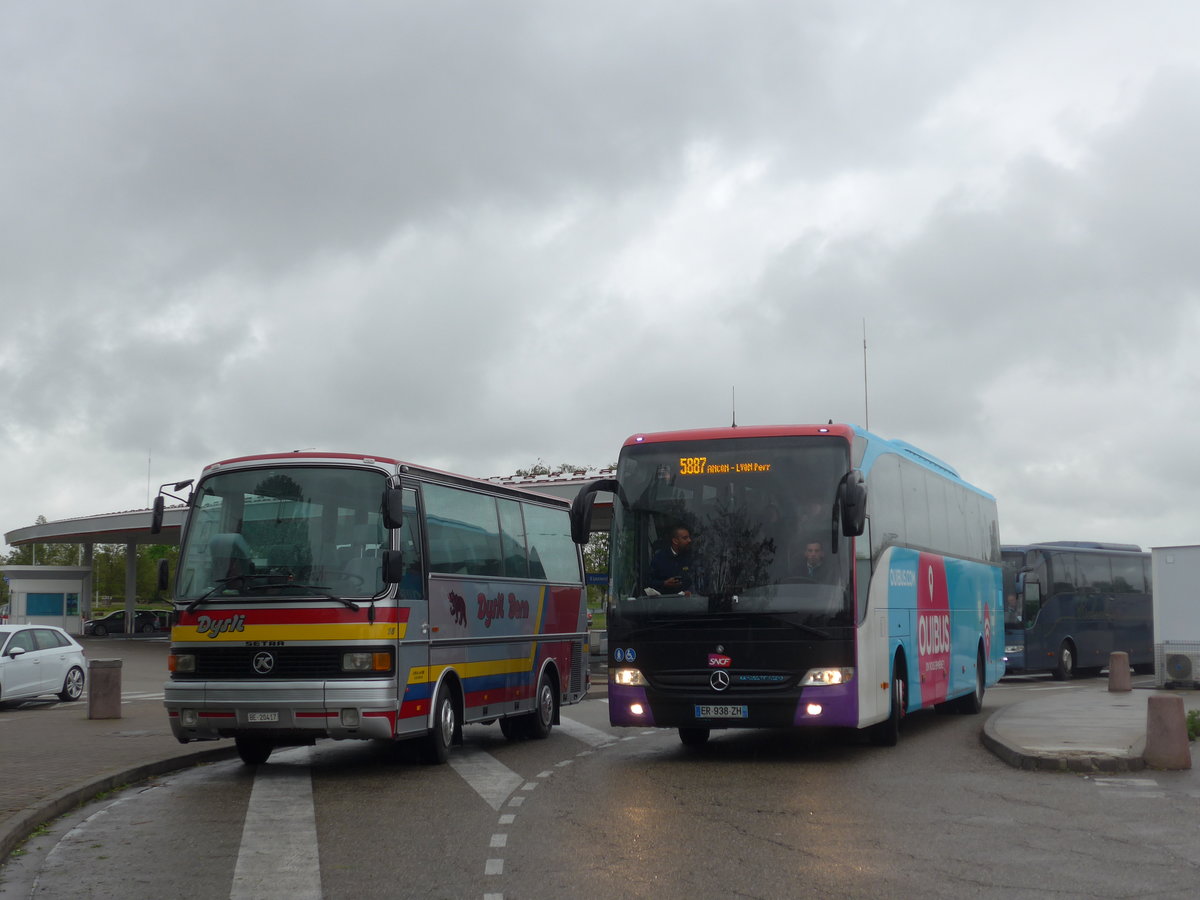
[671,567]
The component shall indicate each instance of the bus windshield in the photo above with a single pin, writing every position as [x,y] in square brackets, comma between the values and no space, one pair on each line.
[284,532]
[732,526]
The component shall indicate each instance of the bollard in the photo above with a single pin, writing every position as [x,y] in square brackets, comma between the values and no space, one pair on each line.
[1166,733]
[104,689]
[1119,678]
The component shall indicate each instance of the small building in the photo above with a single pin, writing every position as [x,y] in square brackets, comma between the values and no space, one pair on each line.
[48,595]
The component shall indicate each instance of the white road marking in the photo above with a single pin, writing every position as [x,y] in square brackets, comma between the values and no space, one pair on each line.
[278,857]
[593,737]
[490,778]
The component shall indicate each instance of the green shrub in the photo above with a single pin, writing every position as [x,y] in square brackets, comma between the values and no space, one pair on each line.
[1193,724]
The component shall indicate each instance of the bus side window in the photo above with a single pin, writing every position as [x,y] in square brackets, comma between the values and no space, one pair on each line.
[409,542]
[1033,601]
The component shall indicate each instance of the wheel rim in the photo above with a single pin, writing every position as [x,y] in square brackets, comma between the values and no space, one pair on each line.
[546,704]
[1068,662]
[75,684]
[446,721]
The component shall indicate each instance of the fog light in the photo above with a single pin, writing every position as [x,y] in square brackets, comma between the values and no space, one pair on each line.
[188,718]
[637,709]
[813,709]
[350,718]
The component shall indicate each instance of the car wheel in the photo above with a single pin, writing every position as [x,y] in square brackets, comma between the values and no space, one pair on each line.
[99,630]
[72,688]
[254,751]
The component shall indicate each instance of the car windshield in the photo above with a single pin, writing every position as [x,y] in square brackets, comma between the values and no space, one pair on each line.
[732,526]
[284,532]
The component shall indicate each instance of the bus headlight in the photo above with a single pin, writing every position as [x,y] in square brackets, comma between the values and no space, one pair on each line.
[367,661]
[629,678]
[827,676]
[1013,648]
[181,662]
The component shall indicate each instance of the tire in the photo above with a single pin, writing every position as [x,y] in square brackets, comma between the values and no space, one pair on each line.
[539,725]
[1065,667]
[99,631]
[72,685]
[511,728]
[972,703]
[435,746]
[146,629]
[254,751]
[693,737]
[887,732]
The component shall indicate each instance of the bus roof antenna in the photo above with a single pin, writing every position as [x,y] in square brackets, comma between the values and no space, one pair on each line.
[733,405]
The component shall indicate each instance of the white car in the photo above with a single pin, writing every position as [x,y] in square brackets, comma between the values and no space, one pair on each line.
[40,659]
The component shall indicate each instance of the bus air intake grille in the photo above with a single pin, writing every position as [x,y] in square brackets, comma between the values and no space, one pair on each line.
[692,680]
[286,663]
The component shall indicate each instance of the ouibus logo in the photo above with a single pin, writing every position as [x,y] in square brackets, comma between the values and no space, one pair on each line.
[933,634]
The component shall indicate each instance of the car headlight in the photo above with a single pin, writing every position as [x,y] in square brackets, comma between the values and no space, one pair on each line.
[181,662]
[827,676]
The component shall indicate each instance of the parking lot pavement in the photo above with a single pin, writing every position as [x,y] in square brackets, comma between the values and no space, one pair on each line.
[54,757]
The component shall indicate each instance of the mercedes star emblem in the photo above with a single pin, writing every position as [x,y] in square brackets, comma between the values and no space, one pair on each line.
[719,680]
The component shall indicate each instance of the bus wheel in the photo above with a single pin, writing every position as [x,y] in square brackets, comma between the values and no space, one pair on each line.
[510,727]
[887,732]
[541,722]
[435,748]
[1065,667]
[972,703]
[693,737]
[253,751]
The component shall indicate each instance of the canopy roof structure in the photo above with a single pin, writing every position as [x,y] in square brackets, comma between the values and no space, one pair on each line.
[133,526]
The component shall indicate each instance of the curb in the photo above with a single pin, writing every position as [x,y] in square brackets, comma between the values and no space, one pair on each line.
[15,830]
[1081,761]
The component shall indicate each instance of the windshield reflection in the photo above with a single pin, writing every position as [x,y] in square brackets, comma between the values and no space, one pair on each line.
[748,527]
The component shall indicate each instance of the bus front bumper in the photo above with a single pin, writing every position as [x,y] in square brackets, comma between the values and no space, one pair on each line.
[289,712]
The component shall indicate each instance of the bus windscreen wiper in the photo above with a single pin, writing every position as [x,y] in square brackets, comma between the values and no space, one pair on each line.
[319,589]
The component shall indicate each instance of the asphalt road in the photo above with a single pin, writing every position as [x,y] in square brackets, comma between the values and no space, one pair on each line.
[595,811]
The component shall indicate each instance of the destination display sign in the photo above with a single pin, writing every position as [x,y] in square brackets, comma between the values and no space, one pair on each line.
[702,465]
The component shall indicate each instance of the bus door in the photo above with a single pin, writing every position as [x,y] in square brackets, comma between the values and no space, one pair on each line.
[412,601]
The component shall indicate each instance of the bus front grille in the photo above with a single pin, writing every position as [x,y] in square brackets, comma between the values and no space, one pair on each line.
[285,663]
[692,680]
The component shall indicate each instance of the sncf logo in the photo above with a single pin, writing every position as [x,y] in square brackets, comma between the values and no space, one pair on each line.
[719,661]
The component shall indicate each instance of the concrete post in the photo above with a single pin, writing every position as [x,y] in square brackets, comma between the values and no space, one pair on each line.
[104,689]
[1166,733]
[1119,678]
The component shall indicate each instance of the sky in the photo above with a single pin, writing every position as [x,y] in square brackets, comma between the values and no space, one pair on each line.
[480,235]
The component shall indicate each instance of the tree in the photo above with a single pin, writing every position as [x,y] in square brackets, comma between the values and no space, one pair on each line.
[540,468]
